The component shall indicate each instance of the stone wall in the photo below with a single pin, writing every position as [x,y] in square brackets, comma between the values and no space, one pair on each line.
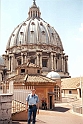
[5,108]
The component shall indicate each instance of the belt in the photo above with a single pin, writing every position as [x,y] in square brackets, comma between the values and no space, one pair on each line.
[30,106]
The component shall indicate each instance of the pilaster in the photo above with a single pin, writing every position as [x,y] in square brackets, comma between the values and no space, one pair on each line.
[52,61]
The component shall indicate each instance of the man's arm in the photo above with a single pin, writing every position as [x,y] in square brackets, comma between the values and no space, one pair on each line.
[38,104]
[38,107]
[26,105]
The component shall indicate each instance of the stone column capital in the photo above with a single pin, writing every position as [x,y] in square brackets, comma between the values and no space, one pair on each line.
[66,57]
[62,55]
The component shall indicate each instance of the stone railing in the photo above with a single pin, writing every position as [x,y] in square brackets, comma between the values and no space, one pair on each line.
[17,106]
[5,108]
[77,109]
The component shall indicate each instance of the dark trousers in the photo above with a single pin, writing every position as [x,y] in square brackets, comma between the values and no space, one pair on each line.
[32,113]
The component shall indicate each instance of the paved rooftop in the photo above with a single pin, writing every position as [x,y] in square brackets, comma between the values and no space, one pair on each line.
[62,114]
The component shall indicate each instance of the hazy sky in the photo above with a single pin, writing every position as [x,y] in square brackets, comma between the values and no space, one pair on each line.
[66,16]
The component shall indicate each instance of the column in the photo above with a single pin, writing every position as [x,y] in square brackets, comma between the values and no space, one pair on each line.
[14,62]
[38,59]
[66,63]
[55,61]
[21,58]
[25,58]
[62,57]
[59,64]
[6,61]
[11,87]
[11,63]
[41,59]
[52,61]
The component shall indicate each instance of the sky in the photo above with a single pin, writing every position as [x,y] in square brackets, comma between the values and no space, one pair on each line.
[66,16]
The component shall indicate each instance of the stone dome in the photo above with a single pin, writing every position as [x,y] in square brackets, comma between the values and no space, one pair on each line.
[53,75]
[36,41]
[34,30]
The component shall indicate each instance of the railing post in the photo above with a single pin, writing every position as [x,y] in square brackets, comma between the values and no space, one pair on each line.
[5,108]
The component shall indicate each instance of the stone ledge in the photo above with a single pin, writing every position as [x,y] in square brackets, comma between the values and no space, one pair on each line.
[5,98]
[6,122]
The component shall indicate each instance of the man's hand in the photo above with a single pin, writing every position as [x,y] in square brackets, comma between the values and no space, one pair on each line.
[26,110]
[38,111]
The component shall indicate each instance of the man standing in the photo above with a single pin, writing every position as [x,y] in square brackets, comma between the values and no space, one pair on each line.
[32,104]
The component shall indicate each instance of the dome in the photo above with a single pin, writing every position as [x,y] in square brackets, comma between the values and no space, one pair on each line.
[53,75]
[36,41]
[34,30]
[1,61]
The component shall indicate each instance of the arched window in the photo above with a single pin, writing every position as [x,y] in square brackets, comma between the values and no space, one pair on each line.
[19,61]
[44,62]
[32,61]
[56,64]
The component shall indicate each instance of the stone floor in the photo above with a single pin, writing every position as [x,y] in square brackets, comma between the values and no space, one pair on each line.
[62,114]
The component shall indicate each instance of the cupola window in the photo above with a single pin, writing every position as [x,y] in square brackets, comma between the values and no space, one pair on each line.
[24,24]
[32,23]
[48,25]
[32,32]
[52,35]
[43,32]
[21,33]
[41,23]
[13,35]
[22,70]
[33,13]
[36,13]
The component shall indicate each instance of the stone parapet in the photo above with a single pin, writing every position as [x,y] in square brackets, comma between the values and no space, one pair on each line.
[5,108]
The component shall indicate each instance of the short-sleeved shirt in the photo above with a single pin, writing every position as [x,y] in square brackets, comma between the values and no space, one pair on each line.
[32,99]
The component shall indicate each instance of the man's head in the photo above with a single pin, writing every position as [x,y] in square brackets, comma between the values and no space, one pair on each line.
[33,91]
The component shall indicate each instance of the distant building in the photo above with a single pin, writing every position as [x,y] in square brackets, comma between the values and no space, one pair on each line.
[72,87]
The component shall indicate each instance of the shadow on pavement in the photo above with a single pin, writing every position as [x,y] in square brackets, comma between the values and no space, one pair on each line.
[60,109]
[40,121]
[24,122]
[17,122]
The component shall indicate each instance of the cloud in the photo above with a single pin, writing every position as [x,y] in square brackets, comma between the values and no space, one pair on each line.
[81,28]
[79,36]
[79,39]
